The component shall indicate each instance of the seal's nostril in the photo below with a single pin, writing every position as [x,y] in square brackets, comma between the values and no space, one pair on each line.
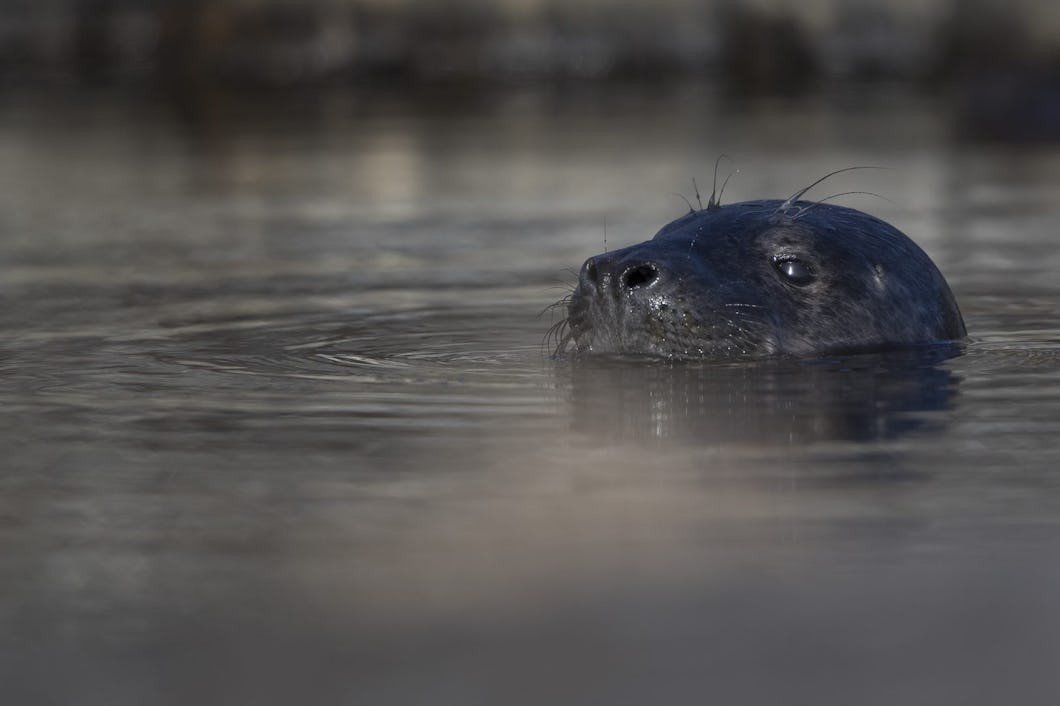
[639,276]
[591,271]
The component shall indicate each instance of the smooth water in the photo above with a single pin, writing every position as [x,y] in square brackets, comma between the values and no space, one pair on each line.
[279,423]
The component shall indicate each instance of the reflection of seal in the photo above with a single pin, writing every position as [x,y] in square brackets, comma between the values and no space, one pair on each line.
[762,278]
[765,402]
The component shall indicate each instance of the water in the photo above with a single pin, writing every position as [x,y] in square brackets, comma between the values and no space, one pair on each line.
[279,424]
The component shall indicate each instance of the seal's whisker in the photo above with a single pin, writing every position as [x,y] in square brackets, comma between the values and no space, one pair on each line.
[565,301]
[804,209]
[715,196]
[561,333]
[557,329]
[799,194]
[568,279]
[723,185]
[683,198]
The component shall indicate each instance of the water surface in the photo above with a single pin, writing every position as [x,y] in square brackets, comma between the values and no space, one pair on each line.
[280,425]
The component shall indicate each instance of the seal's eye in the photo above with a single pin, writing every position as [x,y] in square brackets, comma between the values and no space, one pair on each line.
[794,270]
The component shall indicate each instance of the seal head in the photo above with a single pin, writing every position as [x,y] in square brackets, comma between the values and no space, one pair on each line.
[762,278]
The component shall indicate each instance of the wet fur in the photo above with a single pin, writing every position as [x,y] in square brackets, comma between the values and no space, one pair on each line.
[718,294]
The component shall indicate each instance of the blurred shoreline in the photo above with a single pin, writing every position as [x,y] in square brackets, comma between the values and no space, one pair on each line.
[748,46]
[997,65]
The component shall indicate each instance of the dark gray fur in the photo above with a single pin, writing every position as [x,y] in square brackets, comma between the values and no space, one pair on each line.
[708,285]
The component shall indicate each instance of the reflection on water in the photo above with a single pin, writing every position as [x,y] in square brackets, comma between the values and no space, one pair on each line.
[280,425]
[860,398]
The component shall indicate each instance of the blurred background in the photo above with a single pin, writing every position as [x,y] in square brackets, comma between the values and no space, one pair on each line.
[749,44]
[1000,61]
[278,422]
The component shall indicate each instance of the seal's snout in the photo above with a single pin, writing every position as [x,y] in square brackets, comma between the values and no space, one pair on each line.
[615,292]
[595,274]
[605,275]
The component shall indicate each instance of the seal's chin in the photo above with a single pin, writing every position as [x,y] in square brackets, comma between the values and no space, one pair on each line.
[584,332]
[592,328]
[656,327]
[602,321]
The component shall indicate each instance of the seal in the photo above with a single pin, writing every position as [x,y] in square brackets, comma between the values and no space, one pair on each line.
[759,279]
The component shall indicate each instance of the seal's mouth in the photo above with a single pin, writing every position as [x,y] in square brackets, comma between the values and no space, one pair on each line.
[579,321]
[571,335]
[660,325]
[591,324]
[598,322]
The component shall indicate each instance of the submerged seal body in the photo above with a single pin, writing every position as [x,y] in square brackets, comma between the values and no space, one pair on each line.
[762,278]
